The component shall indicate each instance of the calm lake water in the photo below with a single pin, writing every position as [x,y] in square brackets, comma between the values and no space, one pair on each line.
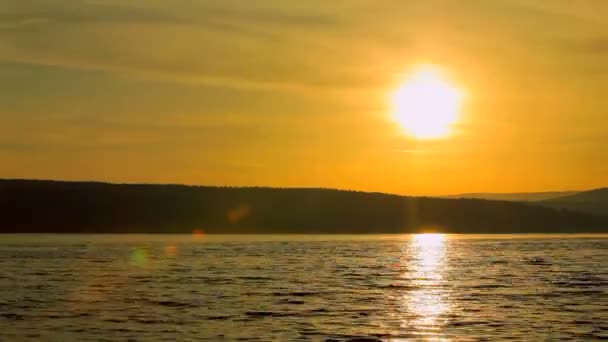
[291,288]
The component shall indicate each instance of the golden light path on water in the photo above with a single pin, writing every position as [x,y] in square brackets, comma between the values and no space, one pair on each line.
[427,301]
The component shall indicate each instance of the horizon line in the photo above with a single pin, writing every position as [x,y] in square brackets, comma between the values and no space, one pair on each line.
[295,187]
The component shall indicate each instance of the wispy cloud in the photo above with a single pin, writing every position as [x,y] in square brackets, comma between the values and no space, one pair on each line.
[593,45]
[209,43]
[270,45]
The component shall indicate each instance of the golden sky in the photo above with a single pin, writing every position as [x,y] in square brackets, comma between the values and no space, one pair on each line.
[296,93]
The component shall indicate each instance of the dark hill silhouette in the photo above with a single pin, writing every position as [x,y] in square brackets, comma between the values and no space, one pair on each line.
[83,207]
[592,201]
[515,196]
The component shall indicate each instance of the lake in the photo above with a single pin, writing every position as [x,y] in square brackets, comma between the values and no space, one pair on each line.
[303,287]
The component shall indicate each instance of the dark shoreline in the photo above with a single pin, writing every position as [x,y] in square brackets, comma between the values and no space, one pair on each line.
[87,208]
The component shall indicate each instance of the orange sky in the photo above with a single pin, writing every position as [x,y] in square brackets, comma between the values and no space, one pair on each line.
[298,93]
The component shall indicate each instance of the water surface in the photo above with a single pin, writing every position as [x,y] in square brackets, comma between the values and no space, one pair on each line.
[290,288]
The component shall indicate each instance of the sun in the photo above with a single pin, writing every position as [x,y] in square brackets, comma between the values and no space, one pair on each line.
[426,105]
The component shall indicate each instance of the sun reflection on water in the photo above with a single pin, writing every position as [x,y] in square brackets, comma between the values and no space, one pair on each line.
[427,301]
[428,254]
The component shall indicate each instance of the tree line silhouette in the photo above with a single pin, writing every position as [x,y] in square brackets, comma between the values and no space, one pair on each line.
[35,206]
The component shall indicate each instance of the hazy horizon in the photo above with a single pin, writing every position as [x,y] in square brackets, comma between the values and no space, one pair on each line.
[305,187]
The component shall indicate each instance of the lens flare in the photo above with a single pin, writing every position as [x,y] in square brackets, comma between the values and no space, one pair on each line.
[235,215]
[198,234]
[139,256]
[171,251]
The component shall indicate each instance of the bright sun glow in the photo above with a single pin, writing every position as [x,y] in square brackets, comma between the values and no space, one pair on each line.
[426,105]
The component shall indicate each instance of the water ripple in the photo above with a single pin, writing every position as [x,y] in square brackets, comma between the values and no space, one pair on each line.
[294,288]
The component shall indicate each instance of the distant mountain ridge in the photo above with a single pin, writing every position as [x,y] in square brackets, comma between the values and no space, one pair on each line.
[592,201]
[516,196]
[28,206]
